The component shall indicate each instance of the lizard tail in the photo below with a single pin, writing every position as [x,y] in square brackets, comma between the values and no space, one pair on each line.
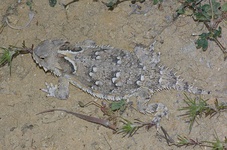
[169,80]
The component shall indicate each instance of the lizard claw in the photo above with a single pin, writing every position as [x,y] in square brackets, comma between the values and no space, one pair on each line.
[50,90]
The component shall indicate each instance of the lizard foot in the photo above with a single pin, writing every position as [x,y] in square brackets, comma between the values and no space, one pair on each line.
[50,89]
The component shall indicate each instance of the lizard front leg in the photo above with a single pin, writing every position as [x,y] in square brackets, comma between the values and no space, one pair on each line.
[60,91]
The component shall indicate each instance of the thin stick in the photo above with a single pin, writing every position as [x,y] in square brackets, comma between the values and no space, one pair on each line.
[105,123]
[31,16]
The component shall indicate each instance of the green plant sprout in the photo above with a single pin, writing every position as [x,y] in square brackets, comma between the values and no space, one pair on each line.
[129,128]
[194,109]
[211,15]
[217,144]
[184,141]
[11,52]
[6,57]
[197,107]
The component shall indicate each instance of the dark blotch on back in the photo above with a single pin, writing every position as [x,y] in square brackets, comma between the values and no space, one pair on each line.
[186,86]
[68,46]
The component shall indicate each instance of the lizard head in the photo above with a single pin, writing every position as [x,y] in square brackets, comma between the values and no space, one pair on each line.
[46,56]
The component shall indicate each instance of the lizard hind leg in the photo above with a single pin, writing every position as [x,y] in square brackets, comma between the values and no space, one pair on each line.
[159,109]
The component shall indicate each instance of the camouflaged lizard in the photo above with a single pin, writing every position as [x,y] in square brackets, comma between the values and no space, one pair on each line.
[109,73]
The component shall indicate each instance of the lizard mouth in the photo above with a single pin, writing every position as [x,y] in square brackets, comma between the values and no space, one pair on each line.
[38,62]
[55,71]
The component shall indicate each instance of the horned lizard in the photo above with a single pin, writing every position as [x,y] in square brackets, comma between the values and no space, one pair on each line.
[109,73]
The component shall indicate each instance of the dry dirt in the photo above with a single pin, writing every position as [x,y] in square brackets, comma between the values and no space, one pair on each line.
[21,98]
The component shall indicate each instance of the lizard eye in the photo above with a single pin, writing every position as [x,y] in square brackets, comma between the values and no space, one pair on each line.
[42,56]
[77,49]
[72,49]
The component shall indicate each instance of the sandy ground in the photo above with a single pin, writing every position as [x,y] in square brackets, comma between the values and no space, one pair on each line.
[21,99]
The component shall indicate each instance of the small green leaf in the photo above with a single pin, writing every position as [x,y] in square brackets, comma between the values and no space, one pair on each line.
[111,4]
[118,105]
[206,8]
[181,11]
[195,108]
[29,4]
[216,8]
[202,16]
[224,7]
[52,3]
[202,43]
[155,2]
[217,33]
